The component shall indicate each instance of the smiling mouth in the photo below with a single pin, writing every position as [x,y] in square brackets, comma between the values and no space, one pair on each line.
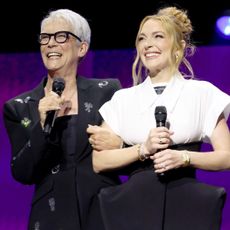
[53,54]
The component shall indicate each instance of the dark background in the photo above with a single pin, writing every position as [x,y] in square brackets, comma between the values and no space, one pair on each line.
[114,23]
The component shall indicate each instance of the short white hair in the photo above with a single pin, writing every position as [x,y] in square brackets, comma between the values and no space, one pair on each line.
[79,24]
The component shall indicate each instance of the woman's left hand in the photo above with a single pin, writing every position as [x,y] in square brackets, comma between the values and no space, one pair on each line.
[102,138]
[167,159]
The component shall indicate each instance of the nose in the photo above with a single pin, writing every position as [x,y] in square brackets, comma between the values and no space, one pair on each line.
[52,41]
[148,43]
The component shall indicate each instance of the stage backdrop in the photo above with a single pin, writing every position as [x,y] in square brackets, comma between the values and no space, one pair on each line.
[20,72]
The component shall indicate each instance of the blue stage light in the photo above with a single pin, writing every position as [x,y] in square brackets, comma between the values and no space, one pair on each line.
[223,25]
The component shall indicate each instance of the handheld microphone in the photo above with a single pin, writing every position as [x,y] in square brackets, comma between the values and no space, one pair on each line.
[160,116]
[58,87]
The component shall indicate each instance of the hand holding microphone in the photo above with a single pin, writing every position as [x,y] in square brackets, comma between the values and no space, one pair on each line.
[161,116]
[158,137]
[162,139]
[49,105]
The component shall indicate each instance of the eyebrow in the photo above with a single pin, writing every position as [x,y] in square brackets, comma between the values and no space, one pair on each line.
[153,33]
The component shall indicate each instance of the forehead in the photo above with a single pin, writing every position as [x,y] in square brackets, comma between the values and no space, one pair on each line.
[54,25]
[152,25]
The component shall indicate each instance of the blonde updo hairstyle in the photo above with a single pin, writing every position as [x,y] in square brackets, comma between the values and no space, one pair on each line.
[178,26]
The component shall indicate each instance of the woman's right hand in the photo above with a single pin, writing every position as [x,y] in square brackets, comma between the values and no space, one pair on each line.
[158,139]
[51,101]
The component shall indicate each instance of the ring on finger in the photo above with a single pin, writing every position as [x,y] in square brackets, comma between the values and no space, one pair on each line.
[163,166]
[91,141]
[160,140]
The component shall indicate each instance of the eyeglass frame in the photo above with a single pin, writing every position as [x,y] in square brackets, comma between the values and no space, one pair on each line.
[55,35]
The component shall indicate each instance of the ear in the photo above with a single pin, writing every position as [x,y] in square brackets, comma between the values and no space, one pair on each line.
[83,49]
[183,43]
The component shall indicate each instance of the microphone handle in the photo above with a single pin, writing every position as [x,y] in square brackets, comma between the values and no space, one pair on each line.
[49,122]
[161,124]
[54,118]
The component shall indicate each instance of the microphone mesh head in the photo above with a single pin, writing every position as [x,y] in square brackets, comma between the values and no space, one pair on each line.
[160,114]
[58,85]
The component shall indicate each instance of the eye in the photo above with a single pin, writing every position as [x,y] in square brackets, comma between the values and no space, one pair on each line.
[140,38]
[61,35]
[44,36]
[159,36]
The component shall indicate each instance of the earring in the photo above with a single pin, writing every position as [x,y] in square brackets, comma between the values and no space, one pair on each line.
[177,57]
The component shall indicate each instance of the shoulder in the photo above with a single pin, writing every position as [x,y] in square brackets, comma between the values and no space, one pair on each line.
[205,89]
[33,94]
[20,98]
[109,80]
[126,93]
[200,85]
[16,105]
[108,83]
[132,90]
[105,83]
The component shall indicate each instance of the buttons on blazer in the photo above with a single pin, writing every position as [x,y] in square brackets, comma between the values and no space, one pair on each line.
[55,169]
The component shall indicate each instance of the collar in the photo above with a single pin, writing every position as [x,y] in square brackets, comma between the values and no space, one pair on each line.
[147,98]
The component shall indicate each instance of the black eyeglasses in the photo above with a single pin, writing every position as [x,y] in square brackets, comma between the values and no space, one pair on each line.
[59,37]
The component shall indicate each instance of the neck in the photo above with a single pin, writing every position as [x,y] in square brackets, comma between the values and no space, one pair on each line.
[70,83]
[162,76]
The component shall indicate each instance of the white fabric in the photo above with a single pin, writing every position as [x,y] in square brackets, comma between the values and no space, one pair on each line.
[193,108]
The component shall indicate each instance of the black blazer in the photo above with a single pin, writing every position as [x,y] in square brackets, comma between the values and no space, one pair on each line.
[34,159]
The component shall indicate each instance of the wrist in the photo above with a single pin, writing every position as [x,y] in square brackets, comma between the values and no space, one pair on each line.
[143,154]
[186,158]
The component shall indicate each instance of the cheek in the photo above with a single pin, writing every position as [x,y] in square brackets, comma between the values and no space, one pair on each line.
[141,51]
[42,51]
[140,47]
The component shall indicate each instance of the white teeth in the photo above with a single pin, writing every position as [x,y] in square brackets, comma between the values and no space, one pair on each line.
[53,54]
[152,54]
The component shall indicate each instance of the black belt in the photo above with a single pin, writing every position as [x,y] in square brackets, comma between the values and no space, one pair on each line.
[169,175]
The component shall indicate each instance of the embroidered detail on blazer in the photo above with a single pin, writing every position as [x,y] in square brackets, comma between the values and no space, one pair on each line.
[23,101]
[27,145]
[27,99]
[25,122]
[37,225]
[103,83]
[88,106]
[19,100]
[52,204]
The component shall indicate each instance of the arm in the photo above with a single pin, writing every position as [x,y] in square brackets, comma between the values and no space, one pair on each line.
[31,152]
[107,154]
[116,157]
[216,160]
[219,158]
[26,143]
